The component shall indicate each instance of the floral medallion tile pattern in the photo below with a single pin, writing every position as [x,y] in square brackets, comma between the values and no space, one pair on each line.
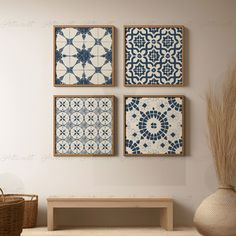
[154,126]
[83,56]
[84,126]
[154,56]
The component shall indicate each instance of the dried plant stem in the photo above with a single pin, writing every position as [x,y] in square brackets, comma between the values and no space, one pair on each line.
[222,129]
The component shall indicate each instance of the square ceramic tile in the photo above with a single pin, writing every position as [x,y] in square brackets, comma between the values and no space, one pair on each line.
[154,55]
[84,56]
[84,126]
[154,125]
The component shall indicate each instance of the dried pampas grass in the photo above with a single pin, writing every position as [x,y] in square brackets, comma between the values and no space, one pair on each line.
[221,112]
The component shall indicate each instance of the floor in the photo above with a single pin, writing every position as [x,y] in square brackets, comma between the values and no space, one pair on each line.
[111,232]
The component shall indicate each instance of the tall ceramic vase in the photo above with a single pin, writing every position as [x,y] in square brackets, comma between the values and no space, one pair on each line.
[216,216]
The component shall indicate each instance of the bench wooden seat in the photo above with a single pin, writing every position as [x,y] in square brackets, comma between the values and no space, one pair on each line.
[165,205]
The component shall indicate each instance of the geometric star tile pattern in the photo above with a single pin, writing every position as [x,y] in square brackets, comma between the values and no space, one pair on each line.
[154,56]
[83,125]
[154,125]
[83,56]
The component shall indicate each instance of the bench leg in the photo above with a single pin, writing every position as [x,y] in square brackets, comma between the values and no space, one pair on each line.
[166,218]
[51,225]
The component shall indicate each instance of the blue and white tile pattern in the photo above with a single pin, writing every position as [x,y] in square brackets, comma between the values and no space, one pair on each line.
[83,56]
[84,125]
[153,126]
[154,56]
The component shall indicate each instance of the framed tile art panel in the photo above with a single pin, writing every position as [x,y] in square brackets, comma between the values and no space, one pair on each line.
[154,125]
[84,125]
[154,55]
[83,55]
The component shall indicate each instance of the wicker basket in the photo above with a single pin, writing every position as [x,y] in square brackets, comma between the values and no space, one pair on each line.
[11,215]
[31,209]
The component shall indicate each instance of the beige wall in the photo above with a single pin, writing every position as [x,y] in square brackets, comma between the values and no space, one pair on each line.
[26,62]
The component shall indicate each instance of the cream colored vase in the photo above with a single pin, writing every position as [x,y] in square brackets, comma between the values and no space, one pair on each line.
[216,216]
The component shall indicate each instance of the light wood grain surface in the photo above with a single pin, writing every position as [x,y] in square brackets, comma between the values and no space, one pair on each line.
[165,206]
[113,231]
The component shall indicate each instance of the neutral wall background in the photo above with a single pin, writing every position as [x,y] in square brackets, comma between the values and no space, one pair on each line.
[26,91]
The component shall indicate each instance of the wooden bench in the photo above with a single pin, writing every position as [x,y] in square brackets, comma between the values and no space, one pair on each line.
[165,205]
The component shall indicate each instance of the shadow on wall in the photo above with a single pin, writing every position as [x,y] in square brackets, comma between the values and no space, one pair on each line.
[42,215]
[211,178]
[183,216]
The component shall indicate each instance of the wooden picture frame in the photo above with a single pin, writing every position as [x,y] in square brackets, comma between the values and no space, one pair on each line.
[83,122]
[101,73]
[136,140]
[153,78]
